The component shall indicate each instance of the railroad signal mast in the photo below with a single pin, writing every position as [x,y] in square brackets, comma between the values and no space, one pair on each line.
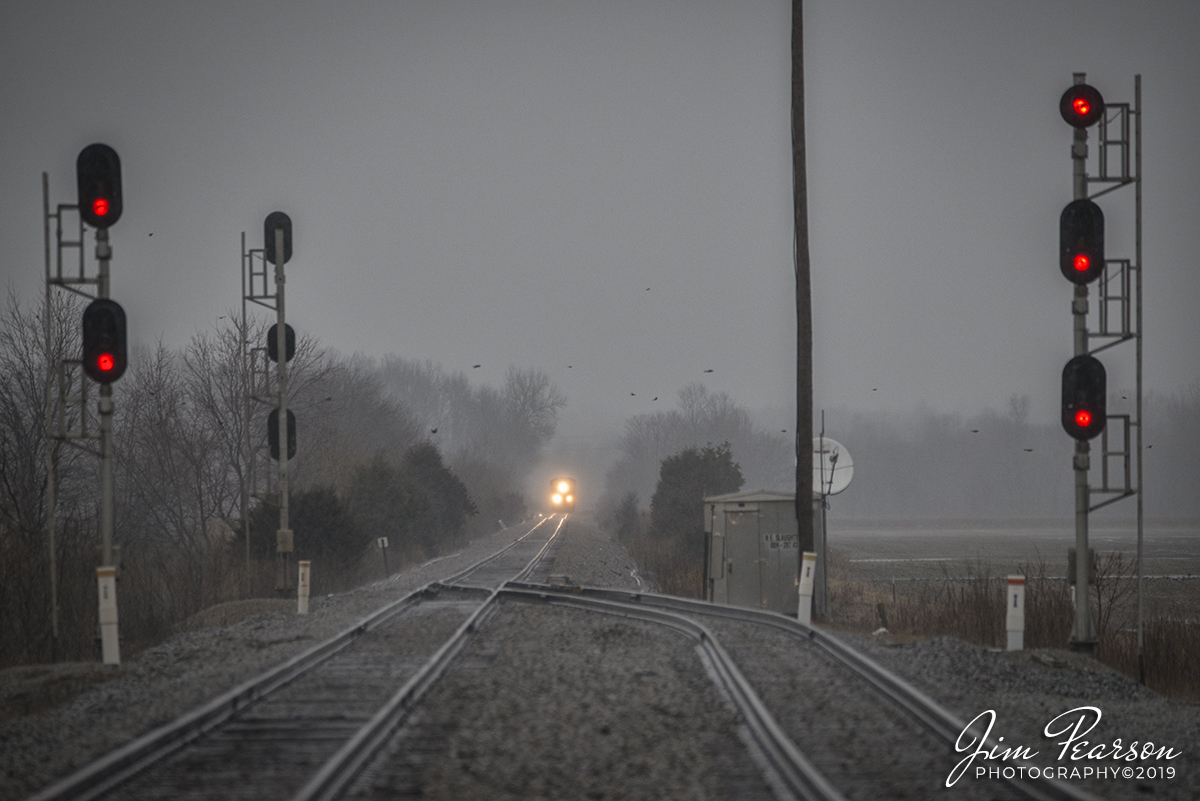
[103,360]
[281,422]
[1117,319]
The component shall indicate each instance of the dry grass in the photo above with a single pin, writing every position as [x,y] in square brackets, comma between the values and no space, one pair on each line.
[970,605]
[673,571]
[1171,653]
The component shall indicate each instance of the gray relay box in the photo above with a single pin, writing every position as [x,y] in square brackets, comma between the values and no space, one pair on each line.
[751,547]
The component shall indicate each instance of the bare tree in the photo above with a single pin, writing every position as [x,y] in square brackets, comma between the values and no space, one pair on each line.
[532,402]
[25,585]
[703,418]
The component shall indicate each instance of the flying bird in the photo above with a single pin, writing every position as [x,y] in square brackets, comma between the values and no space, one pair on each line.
[631,394]
[708,371]
[477,365]
[655,398]
[974,430]
[433,431]
[1029,450]
[874,389]
[151,234]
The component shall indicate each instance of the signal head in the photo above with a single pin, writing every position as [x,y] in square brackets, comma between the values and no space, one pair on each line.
[273,434]
[1081,105]
[1081,241]
[276,220]
[289,342]
[1084,388]
[104,358]
[98,180]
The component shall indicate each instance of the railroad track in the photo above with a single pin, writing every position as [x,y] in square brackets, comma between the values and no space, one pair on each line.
[345,719]
[829,750]
[264,738]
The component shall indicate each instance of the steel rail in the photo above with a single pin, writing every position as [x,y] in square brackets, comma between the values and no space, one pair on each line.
[119,765]
[929,712]
[798,775]
[537,559]
[100,776]
[488,560]
[341,768]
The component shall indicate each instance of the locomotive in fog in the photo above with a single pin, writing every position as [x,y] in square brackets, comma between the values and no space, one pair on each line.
[562,494]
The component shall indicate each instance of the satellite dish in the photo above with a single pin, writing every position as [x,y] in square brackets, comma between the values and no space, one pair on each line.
[832,466]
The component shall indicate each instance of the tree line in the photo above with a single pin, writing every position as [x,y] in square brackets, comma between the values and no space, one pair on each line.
[920,465]
[701,418]
[392,447]
[999,464]
[708,445]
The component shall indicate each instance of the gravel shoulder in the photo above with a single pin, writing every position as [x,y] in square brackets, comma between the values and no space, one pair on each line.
[1029,689]
[55,718]
[589,557]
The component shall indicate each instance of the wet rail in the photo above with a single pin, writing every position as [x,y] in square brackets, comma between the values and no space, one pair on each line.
[263,738]
[344,719]
[829,749]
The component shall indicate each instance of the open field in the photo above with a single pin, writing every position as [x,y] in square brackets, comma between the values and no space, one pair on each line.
[904,551]
[928,579]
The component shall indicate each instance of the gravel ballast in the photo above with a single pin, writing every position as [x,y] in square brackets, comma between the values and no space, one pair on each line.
[55,718]
[166,680]
[557,703]
[1028,689]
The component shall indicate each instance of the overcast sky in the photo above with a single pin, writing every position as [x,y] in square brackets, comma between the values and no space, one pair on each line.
[602,189]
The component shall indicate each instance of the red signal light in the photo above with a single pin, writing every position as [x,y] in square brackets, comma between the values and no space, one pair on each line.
[1081,106]
[1081,241]
[1084,384]
[104,354]
[98,179]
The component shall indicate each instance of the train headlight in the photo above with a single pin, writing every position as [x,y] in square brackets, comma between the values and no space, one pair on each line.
[563,486]
[570,498]
[556,498]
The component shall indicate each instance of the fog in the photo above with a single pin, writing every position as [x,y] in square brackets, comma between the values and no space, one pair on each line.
[602,192]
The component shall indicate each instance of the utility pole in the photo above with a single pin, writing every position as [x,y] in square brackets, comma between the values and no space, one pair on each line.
[804,512]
